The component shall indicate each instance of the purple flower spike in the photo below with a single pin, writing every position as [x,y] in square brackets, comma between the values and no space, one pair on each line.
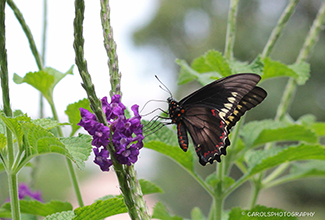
[126,133]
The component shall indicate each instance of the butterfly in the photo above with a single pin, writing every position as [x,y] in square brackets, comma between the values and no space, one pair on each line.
[209,113]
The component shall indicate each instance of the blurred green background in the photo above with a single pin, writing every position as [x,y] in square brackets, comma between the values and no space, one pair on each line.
[186,29]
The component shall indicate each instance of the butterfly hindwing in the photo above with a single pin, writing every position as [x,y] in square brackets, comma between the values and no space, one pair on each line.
[208,133]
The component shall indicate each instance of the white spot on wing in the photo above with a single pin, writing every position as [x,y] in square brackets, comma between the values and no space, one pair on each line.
[228,105]
[231,99]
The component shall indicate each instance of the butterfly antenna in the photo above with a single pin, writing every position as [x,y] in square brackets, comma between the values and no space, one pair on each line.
[165,88]
[151,101]
[157,109]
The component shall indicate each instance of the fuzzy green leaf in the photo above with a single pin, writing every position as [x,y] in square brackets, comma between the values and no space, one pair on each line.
[308,169]
[196,214]
[212,61]
[41,140]
[73,113]
[79,148]
[149,187]
[272,69]
[3,141]
[265,159]
[160,212]
[44,80]
[318,128]
[38,208]
[260,132]
[47,123]
[101,209]
[206,68]
[67,215]
[185,159]
[14,126]
[260,212]
[164,141]
[186,74]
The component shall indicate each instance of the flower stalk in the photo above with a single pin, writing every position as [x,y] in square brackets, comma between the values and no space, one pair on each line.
[110,47]
[28,34]
[231,29]
[126,175]
[278,28]
[8,161]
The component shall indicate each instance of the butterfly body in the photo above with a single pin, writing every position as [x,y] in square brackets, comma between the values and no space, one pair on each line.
[209,113]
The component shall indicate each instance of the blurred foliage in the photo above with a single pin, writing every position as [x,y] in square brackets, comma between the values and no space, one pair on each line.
[186,29]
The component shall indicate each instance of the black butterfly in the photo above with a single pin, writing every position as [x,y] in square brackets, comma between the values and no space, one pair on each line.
[209,113]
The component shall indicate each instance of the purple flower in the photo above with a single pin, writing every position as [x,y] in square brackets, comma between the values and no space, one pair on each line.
[24,191]
[126,133]
[102,159]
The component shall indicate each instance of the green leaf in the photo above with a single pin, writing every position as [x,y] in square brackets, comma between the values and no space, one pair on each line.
[14,126]
[302,70]
[318,128]
[212,180]
[2,168]
[101,209]
[185,159]
[68,215]
[3,141]
[265,159]
[196,214]
[73,113]
[44,80]
[38,208]
[186,74]
[164,141]
[260,132]
[160,212]
[206,68]
[212,61]
[149,187]
[40,140]
[308,169]
[260,212]
[272,69]
[47,123]
[79,148]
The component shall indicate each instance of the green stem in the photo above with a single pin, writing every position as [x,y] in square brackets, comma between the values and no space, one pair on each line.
[279,28]
[277,172]
[256,190]
[75,183]
[12,173]
[219,196]
[231,29]
[305,51]
[13,192]
[43,53]
[28,33]
[110,47]
[291,86]
[72,172]
[313,35]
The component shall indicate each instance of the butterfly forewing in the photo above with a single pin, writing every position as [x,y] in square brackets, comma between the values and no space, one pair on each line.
[209,113]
